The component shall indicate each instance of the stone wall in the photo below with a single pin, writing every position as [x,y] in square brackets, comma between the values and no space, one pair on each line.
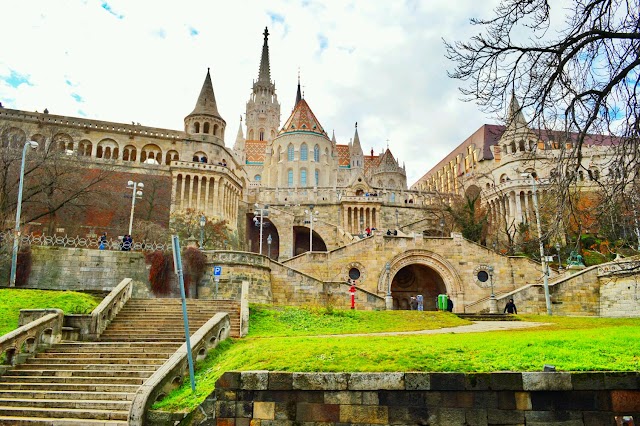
[58,268]
[437,399]
[236,267]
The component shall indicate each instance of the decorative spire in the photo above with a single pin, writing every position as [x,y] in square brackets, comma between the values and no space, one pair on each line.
[514,114]
[265,72]
[206,104]
[333,136]
[356,141]
[298,93]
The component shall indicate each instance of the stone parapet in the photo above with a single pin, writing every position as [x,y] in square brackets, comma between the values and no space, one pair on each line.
[506,398]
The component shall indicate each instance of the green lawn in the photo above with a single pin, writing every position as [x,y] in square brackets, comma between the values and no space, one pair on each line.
[12,300]
[278,344]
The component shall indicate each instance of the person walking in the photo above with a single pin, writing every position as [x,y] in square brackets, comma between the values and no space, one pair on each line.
[510,308]
[103,241]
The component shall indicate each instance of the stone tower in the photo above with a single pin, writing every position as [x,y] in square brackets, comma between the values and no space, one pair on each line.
[205,123]
[263,108]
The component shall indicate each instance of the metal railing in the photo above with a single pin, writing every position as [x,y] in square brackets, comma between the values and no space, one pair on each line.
[84,242]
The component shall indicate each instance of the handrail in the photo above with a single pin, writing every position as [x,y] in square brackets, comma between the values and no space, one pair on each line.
[31,338]
[102,315]
[171,374]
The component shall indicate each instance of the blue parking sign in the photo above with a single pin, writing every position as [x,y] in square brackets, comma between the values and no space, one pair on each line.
[217,271]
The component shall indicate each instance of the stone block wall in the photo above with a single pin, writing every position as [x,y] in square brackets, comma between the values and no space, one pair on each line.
[620,296]
[237,267]
[58,268]
[436,399]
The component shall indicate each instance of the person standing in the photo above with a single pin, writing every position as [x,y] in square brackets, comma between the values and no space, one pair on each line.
[420,301]
[103,241]
[413,304]
[510,308]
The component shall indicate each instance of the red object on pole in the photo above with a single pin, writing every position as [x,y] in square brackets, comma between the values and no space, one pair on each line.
[352,290]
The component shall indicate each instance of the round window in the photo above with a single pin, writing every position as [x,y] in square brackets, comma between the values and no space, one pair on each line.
[483,276]
[354,273]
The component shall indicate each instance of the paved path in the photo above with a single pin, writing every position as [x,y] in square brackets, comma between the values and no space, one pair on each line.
[476,327]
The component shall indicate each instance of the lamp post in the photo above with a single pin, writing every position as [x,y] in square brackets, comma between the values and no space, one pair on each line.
[397,226]
[543,259]
[258,219]
[493,303]
[361,227]
[16,235]
[559,260]
[269,239]
[136,188]
[312,217]
[203,222]
[389,298]
[442,227]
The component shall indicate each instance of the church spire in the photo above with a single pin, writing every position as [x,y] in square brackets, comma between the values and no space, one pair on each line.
[265,72]
[298,93]
[206,103]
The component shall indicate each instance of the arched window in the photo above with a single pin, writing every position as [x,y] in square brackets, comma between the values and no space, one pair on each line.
[290,153]
[261,134]
[304,152]
[290,178]
[303,177]
[216,129]
[196,127]
[317,177]
[257,178]
[316,154]
[205,128]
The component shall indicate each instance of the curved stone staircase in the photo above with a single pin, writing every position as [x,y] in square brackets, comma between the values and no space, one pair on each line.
[93,383]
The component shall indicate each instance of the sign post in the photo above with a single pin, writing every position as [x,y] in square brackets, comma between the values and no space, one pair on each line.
[217,271]
[177,265]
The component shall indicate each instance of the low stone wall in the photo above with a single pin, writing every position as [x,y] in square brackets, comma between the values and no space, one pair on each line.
[236,268]
[436,399]
[59,268]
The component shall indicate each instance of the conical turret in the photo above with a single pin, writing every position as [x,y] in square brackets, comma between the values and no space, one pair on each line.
[357,156]
[264,75]
[205,118]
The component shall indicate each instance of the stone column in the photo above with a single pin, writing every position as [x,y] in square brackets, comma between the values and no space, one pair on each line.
[519,218]
[182,188]
[206,196]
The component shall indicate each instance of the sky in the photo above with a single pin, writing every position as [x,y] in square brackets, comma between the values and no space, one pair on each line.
[380,64]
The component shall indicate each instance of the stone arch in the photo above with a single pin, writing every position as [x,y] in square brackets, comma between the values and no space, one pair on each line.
[205,128]
[441,266]
[129,153]
[107,149]
[61,143]
[85,148]
[172,156]
[151,152]
[301,240]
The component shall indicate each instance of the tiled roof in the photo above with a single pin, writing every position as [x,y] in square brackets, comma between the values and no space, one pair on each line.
[344,158]
[302,119]
[255,151]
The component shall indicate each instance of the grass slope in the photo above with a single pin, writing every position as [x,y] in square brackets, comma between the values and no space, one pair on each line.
[576,344]
[12,300]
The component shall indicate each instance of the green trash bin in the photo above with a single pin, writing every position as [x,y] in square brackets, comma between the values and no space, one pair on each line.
[443,301]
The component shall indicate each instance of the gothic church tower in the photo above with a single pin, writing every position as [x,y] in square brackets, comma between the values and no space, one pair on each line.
[263,108]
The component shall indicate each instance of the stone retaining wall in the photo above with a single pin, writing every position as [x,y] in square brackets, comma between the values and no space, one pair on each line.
[59,268]
[435,399]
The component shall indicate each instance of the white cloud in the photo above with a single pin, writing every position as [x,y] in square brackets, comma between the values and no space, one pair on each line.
[379,63]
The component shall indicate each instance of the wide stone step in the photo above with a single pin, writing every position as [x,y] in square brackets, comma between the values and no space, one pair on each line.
[4,386]
[87,404]
[73,395]
[64,413]
[46,421]
[159,355]
[94,360]
[115,347]
[73,380]
[41,366]
[81,373]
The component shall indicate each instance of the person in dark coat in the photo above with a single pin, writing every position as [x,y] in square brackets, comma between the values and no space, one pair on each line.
[510,308]
[449,305]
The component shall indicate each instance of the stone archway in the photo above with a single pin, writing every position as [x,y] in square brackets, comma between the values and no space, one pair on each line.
[421,270]
[301,240]
[416,279]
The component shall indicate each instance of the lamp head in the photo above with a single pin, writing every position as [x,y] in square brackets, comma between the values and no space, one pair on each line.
[33,144]
[130,183]
[203,221]
[140,185]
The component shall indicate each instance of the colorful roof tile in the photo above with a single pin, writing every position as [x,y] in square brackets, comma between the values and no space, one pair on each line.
[303,120]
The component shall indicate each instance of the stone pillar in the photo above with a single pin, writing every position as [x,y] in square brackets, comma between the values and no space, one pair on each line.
[519,218]
[206,196]
[182,188]
[190,203]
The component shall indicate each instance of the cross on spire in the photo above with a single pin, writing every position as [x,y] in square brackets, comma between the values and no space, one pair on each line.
[266,33]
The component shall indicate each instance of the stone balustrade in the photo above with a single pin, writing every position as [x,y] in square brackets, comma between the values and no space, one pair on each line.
[41,328]
[172,373]
[91,326]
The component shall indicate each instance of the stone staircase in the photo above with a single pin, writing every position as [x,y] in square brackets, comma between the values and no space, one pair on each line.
[93,383]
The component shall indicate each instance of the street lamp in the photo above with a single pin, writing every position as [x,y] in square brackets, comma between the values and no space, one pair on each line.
[269,239]
[442,227]
[312,217]
[397,226]
[136,188]
[389,298]
[559,261]
[543,259]
[493,303]
[361,227]
[258,219]
[16,236]
[203,222]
